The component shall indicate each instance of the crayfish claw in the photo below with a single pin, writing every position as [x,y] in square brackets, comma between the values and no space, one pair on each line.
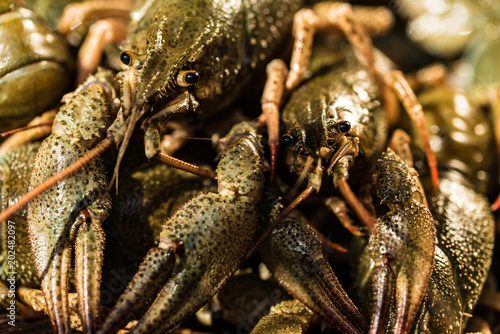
[402,245]
[381,289]
[205,257]
[71,211]
[54,286]
[89,247]
[152,275]
[54,278]
[210,236]
[293,253]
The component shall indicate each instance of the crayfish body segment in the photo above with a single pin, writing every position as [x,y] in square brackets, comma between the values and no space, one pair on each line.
[29,53]
[460,206]
[15,169]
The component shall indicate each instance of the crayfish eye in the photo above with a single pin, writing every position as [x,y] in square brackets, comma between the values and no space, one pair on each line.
[287,140]
[126,57]
[187,78]
[344,127]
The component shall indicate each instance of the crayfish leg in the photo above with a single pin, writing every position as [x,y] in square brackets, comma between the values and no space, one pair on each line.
[339,208]
[290,316]
[101,33]
[38,128]
[339,16]
[361,211]
[111,28]
[27,301]
[272,98]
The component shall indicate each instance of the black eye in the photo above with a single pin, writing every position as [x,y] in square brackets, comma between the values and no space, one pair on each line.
[191,77]
[187,78]
[287,140]
[126,57]
[344,127]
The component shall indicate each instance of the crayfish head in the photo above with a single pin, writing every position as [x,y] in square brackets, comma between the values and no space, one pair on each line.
[182,48]
[163,48]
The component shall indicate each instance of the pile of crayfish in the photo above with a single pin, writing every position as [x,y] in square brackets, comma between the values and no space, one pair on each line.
[227,166]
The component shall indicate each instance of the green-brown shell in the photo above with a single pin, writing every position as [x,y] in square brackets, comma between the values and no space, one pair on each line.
[464,214]
[34,67]
[394,181]
[51,214]
[339,89]
[15,169]
[212,234]
[294,254]
[240,168]
[461,135]
[85,116]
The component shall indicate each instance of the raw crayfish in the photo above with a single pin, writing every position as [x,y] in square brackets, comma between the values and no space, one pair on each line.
[194,247]
[462,218]
[199,54]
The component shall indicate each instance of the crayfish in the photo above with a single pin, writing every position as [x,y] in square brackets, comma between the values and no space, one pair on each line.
[181,57]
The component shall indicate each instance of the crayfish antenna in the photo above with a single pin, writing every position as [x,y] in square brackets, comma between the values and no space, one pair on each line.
[184,166]
[130,125]
[308,191]
[27,127]
[415,111]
